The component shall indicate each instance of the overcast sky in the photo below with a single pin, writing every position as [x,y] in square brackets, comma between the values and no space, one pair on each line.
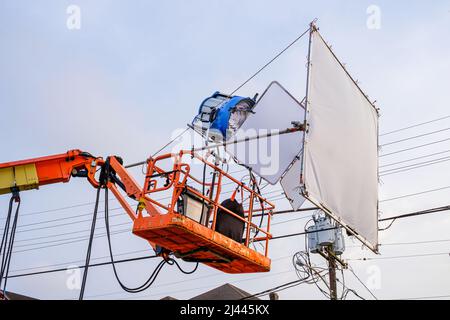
[136,71]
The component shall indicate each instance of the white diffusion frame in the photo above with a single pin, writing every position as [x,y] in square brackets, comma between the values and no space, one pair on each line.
[270,157]
[340,159]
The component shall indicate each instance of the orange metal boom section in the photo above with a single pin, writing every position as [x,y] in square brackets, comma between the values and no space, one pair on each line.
[48,170]
[162,225]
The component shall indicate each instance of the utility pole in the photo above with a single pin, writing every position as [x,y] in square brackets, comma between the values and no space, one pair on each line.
[329,255]
[332,274]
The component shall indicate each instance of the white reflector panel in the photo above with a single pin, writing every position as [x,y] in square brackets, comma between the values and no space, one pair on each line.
[270,157]
[341,155]
[290,183]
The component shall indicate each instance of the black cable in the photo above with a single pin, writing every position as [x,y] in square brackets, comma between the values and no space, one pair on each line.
[152,277]
[203,191]
[5,238]
[91,238]
[255,185]
[7,243]
[297,282]
[181,269]
[371,293]
[11,243]
[417,213]
[271,60]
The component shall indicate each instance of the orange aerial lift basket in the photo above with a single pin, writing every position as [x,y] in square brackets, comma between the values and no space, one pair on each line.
[186,223]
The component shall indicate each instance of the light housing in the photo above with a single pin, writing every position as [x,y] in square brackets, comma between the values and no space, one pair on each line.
[220,116]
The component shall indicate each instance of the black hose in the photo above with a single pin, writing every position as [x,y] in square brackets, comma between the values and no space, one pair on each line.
[203,193]
[255,184]
[5,238]
[7,243]
[152,277]
[183,271]
[88,254]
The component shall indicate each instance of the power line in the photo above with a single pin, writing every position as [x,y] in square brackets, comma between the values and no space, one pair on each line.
[195,279]
[427,297]
[415,147]
[61,225]
[405,243]
[412,159]
[68,263]
[414,194]
[131,259]
[80,238]
[66,241]
[272,60]
[414,137]
[417,213]
[302,233]
[233,92]
[125,223]
[414,126]
[207,287]
[66,218]
[414,242]
[413,168]
[433,210]
[145,250]
[438,160]
[371,293]
[413,214]
[159,150]
[69,233]
[107,263]
[81,221]
[91,203]
[164,198]
[403,256]
[295,282]
[80,267]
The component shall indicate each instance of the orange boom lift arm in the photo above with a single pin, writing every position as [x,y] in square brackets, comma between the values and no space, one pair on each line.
[162,224]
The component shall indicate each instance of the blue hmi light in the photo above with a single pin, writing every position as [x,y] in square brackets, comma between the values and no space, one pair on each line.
[220,116]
